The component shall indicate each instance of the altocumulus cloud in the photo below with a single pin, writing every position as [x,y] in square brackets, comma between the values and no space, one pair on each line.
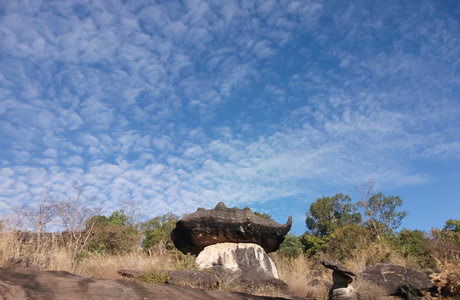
[266,104]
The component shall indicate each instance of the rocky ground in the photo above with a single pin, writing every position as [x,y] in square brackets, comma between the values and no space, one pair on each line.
[18,284]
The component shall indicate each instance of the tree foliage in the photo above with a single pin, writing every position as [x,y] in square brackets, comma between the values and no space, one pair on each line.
[414,243]
[114,234]
[292,246]
[381,212]
[453,225]
[329,213]
[157,232]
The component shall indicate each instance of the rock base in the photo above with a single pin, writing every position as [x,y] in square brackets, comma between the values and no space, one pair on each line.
[343,293]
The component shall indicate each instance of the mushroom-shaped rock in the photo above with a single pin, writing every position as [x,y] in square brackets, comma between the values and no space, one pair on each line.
[222,224]
[341,278]
[336,267]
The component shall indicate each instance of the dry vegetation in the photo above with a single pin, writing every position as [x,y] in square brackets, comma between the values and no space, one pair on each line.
[98,246]
[304,275]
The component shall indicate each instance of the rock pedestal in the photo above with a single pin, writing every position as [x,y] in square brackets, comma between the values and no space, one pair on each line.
[243,266]
[232,244]
[341,278]
[237,260]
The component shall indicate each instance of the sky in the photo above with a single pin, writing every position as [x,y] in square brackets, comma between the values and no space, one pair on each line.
[176,105]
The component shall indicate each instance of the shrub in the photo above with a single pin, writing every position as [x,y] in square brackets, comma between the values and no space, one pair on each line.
[312,244]
[413,243]
[347,241]
[112,235]
[292,246]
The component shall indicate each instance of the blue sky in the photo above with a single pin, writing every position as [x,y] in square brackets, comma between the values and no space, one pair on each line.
[177,105]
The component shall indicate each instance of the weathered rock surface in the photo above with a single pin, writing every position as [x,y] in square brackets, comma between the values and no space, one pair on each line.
[221,224]
[194,279]
[344,293]
[341,279]
[237,260]
[22,284]
[337,267]
[397,280]
[242,266]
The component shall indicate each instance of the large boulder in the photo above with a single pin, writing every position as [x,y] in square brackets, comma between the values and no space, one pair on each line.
[245,267]
[397,280]
[221,224]
[237,260]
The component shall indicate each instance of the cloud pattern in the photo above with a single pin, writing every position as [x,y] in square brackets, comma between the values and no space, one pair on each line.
[181,104]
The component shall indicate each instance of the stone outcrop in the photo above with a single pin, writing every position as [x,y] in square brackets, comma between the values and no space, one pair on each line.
[194,279]
[237,260]
[22,284]
[341,278]
[397,280]
[244,267]
[221,224]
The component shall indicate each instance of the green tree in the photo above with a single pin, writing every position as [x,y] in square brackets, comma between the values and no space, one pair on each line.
[329,213]
[113,235]
[414,243]
[313,244]
[453,225]
[381,212]
[157,233]
[292,246]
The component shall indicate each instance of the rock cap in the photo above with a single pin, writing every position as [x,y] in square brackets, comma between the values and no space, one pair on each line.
[337,267]
[222,224]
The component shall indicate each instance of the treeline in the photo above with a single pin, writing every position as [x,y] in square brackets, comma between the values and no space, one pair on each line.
[366,230]
[337,228]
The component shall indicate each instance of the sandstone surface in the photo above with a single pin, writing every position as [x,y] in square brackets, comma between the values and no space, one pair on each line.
[22,284]
[238,260]
[397,280]
[221,224]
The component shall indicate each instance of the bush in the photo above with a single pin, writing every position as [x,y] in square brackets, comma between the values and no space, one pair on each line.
[413,243]
[291,247]
[313,244]
[157,233]
[112,235]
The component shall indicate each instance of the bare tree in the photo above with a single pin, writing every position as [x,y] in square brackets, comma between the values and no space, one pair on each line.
[132,209]
[39,216]
[366,192]
[73,214]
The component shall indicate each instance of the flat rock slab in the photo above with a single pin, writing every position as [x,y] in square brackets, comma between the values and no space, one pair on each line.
[59,285]
[222,224]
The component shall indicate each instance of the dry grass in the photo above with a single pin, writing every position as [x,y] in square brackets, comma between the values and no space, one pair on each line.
[370,291]
[46,254]
[305,277]
[106,266]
